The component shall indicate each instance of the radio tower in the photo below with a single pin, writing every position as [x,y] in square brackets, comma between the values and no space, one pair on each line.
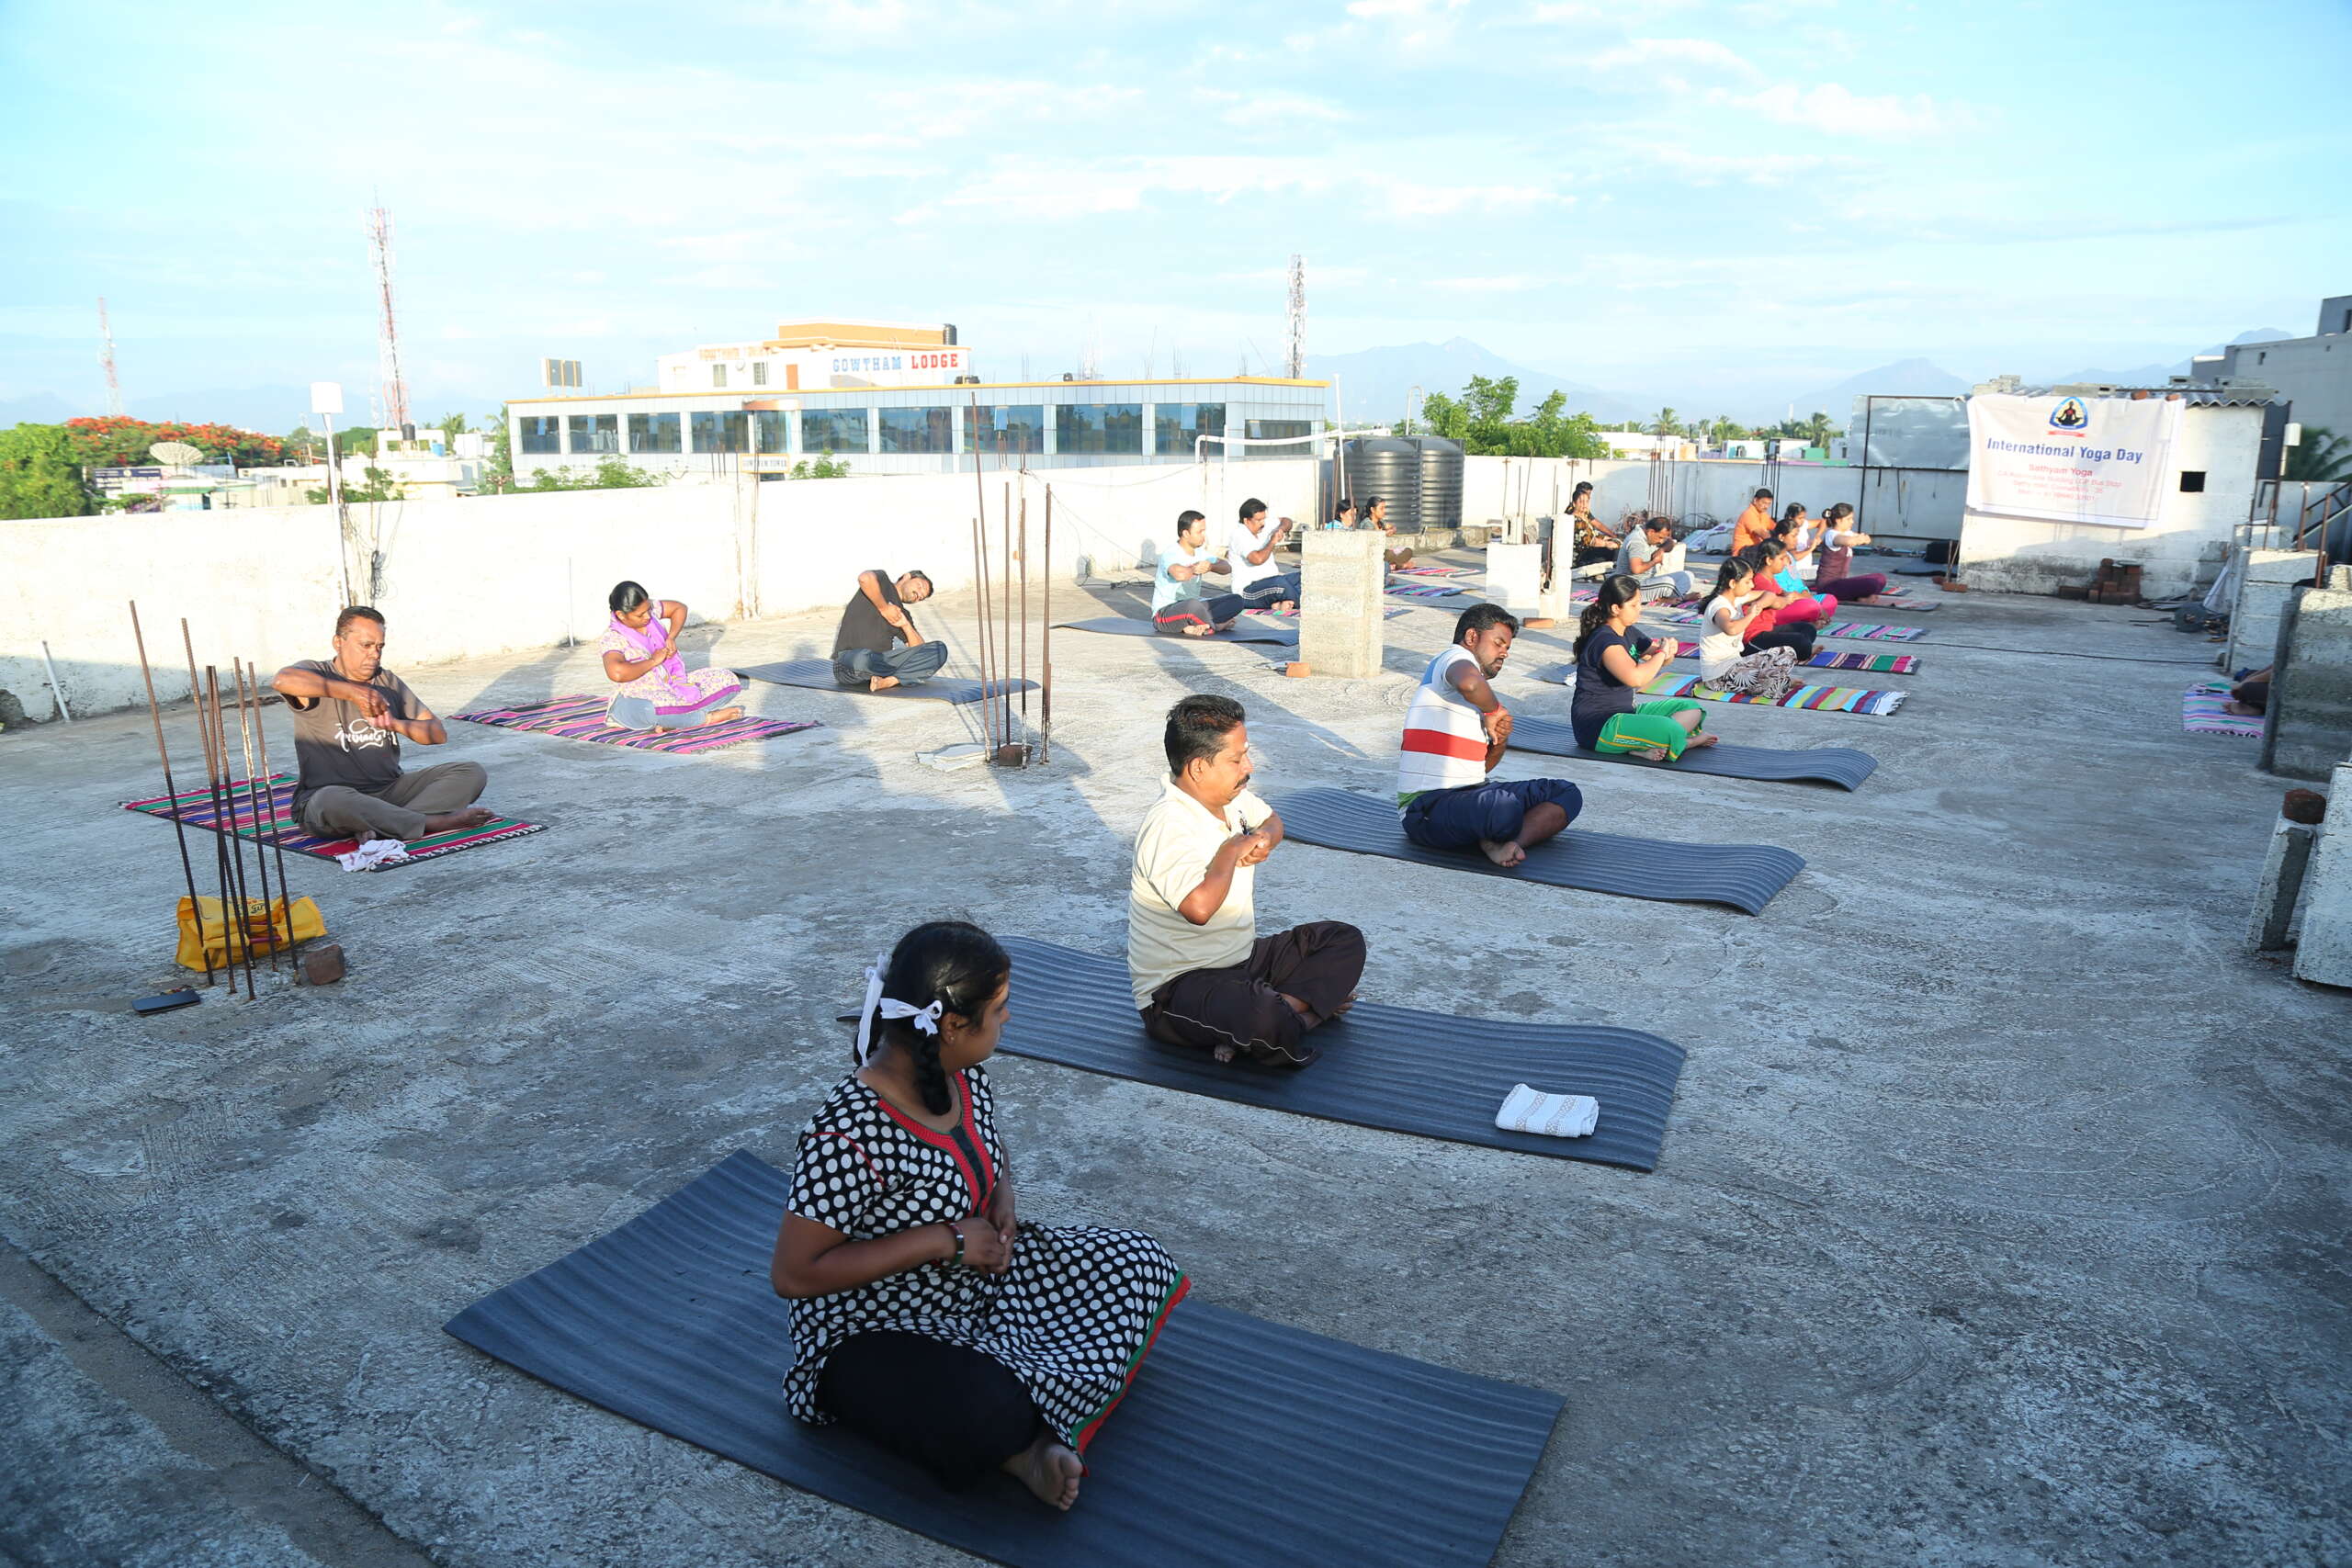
[105,358]
[1297,371]
[395,389]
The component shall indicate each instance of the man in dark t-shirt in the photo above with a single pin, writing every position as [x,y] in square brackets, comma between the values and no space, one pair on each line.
[878,646]
[350,716]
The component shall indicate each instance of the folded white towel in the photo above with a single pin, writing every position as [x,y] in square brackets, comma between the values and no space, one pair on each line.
[373,853]
[1529,1110]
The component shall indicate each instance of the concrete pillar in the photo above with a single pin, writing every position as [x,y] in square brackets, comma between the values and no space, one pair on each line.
[1515,577]
[2284,871]
[1342,573]
[2323,950]
[2265,580]
[2310,720]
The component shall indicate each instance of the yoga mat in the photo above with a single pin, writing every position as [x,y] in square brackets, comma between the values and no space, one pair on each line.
[1433,570]
[1827,699]
[1863,630]
[1390,1068]
[1239,1441]
[1918,569]
[817,674]
[195,807]
[1744,876]
[2201,712]
[582,718]
[1422,590]
[1838,765]
[1127,625]
[1823,659]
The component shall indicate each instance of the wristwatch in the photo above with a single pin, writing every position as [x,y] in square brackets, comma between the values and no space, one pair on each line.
[956,1261]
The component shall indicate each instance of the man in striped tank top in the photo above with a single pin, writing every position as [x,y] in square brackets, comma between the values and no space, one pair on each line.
[1456,731]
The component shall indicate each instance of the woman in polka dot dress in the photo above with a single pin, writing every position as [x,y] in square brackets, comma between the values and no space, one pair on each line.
[924,1315]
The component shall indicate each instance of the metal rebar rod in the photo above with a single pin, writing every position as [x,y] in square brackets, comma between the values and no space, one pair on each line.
[981,640]
[1045,673]
[212,794]
[261,850]
[1024,611]
[171,791]
[243,925]
[276,824]
[988,674]
[1004,623]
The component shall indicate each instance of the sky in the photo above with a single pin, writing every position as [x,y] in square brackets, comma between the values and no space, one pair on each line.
[1679,196]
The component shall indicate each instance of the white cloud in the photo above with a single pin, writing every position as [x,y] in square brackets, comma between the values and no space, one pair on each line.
[1409,8]
[1666,53]
[1512,283]
[1409,200]
[1831,107]
[1751,168]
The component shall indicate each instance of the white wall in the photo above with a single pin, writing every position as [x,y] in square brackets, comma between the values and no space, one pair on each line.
[494,574]
[2184,546]
[1896,504]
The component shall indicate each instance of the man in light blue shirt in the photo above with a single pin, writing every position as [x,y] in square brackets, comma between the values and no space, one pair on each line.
[1178,606]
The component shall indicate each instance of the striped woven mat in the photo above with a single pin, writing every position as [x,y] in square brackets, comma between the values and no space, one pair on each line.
[1422,590]
[195,807]
[1823,659]
[582,718]
[2201,712]
[1828,699]
[1434,571]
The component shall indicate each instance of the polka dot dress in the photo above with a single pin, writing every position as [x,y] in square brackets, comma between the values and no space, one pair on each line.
[1071,1318]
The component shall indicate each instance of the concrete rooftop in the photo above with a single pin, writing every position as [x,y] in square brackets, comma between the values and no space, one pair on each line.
[2001,1219]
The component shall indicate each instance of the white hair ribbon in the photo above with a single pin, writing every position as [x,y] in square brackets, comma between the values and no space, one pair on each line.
[926,1018]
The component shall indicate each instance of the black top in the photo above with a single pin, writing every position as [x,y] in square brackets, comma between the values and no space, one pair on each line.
[862,623]
[335,744]
[1600,695]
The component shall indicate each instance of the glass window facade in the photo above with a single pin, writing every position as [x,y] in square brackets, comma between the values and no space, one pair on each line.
[1098,427]
[594,434]
[1007,427]
[1178,427]
[722,432]
[1268,429]
[833,430]
[769,432]
[917,430]
[653,433]
[539,431]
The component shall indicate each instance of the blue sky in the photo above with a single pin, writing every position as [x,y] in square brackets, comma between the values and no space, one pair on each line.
[1679,196]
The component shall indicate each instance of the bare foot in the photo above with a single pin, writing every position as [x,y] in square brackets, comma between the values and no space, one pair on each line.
[725,716]
[881,683]
[1049,1470]
[1701,739]
[2238,707]
[1196,629]
[457,821]
[1649,754]
[1505,852]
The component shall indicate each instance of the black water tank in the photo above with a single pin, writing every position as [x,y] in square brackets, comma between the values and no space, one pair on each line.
[1441,482]
[1390,468]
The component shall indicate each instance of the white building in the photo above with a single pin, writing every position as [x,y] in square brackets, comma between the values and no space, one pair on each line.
[810,356]
[2309,372]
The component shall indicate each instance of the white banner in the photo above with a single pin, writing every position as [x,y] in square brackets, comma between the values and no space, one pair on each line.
[2102,460]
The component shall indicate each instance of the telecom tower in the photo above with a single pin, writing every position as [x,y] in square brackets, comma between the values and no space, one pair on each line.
[1297,371]
[395,389]
[105,358]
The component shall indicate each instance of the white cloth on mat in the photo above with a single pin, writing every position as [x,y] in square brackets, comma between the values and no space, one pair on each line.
[373,853]
[1529,1110]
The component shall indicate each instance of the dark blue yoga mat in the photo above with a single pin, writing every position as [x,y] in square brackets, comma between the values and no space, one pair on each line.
[1839,765]
[1242,630]
[1744,876]
[817,674]
[1240,1442]
[1382,1067]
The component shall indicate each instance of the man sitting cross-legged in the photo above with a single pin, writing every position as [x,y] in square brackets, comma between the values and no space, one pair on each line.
[1456,729]
[350,716]
[878,646]
[1202,976]
[1178,606]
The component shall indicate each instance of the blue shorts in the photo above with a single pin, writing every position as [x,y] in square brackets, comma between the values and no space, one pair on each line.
[1488,813]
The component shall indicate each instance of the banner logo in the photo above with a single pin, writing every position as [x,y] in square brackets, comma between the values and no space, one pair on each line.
[2070,418]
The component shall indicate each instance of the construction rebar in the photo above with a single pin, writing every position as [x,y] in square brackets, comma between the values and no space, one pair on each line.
[212,794]
[1045,641]
[253,801]
[276,825]
[171,791]
[1004,623]
[980,639]
[1024,612]
[244,922]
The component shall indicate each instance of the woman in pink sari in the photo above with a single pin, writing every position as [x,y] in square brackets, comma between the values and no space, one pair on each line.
[657,690]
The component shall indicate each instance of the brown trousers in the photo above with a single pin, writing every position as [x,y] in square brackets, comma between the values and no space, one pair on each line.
[338,811]
[1240,1010]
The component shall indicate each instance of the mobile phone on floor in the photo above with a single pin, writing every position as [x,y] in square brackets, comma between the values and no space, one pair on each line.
[184,996]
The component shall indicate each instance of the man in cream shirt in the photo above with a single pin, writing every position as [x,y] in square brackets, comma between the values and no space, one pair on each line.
[1202,976]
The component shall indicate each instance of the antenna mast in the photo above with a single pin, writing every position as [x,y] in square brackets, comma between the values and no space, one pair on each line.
[105,358]
[1297,370]
[395,389]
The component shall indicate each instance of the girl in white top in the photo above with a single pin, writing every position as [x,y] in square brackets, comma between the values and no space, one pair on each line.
[1724,666]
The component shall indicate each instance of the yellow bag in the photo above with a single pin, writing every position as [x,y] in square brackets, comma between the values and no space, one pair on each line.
[270,931]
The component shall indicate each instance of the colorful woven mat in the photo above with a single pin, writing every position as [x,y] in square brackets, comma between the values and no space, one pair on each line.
[274,823]
[2202,713]
[582,718]
[1434,571]
[1823,659]
[1829,699]
[1422,590]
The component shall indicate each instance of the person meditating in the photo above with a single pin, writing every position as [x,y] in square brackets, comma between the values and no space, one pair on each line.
[1178,606]
[1456,729]
[657,690]
[1614,662]
[1768,627]
[1776,562]
[1593,542]
[1833,576]
[1375,515]
[1754,526]
[926,1316]
[878,645]
[1727,664]
[1257,581]
[350,716]
[1203,976]
[1652,556]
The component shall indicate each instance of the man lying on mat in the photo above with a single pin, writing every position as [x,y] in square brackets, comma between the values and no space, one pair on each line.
[1203,976]
[1456,729]
[657,690]
[1178,606]
[926,1316]
[878,645]
[350,716]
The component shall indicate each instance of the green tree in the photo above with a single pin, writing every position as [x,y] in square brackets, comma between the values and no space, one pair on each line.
[451,427]
[2323,457]
[1481,420]
[40,474]
[1446,418]
[1724,428]
[1665,423]
[1819,430]
[500,470]
[378,486]
[611,472]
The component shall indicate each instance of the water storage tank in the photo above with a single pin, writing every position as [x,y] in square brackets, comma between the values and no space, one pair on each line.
[1441,482]
[1386,466]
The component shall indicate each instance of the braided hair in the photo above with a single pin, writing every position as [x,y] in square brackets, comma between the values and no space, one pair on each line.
[1615,590]
[954,964]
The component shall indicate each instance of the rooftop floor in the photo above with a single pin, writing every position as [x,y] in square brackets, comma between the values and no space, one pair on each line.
[2001,1218]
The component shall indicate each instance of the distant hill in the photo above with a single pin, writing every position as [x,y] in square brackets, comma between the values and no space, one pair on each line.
[1376,383]
[40,408]
[2157,374]
[1904,377]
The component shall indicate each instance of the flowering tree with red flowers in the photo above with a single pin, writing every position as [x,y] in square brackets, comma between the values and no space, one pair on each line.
[122,442]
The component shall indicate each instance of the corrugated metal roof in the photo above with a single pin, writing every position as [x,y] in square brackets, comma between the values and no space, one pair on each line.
[2197,397]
